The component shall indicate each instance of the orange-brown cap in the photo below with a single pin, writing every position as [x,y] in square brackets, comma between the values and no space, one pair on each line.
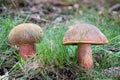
[25,33]
[84,33]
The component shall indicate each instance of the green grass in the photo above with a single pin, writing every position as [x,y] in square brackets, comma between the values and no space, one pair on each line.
[51,54]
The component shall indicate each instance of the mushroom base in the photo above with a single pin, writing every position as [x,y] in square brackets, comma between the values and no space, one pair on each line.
[27,50]
[85,56]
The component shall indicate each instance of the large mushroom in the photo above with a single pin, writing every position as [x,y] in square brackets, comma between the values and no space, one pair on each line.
[83,35]
[24,36]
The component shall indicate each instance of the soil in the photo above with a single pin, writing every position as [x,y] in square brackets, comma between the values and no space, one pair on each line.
[44,13]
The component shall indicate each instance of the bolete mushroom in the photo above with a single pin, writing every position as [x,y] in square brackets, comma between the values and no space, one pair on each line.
[83,35]
[24,36]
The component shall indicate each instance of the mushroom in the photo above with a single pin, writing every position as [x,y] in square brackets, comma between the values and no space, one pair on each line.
[24,36]
[83,35]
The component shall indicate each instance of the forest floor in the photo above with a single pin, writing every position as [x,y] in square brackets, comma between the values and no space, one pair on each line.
[53,60]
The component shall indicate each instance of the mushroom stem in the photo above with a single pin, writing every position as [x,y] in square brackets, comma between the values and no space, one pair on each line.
[85,56]
[27,50]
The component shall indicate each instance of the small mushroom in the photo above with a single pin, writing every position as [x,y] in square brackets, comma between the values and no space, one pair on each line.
[24,36]
[83,35]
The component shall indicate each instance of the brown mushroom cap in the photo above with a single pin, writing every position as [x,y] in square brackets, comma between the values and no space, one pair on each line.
[84,33]
[25,33]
